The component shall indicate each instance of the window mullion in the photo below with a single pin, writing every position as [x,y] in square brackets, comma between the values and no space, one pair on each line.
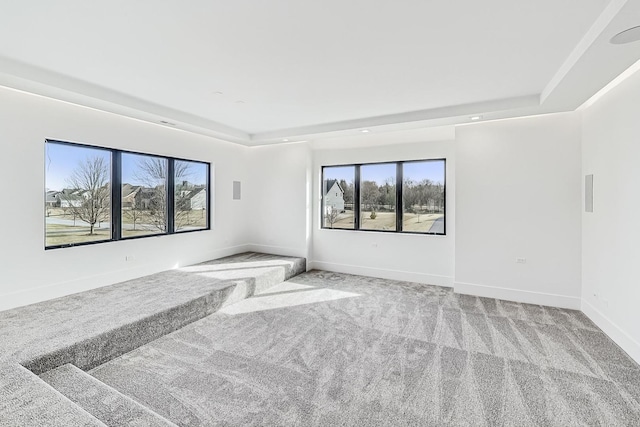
[399,201]
[116,195]
[170,196]
[356,199]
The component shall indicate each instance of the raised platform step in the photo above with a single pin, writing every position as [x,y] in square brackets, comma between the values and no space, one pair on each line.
[98,399]
[90,328]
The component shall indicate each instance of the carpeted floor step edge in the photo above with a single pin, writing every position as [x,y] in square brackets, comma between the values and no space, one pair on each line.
[110,344]
[96,350]
[100,400]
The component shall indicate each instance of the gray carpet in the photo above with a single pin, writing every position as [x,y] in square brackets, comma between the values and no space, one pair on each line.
[104,403]
[334,349]
[92,327]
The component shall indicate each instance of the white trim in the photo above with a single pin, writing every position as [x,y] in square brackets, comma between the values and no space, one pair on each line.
[615,332]
[409,276]
[60,289]
[530,297]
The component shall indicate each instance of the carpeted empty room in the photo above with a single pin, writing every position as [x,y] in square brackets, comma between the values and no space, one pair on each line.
[319,213]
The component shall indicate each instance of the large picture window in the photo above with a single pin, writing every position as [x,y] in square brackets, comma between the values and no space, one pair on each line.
[405,197]
[98,194]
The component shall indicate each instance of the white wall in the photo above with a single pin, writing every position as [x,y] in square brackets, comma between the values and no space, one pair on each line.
[518,196]
[29,273]
[279,195]
[419,258]
[611,234]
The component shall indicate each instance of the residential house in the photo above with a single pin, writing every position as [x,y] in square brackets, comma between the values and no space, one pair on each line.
[333,196]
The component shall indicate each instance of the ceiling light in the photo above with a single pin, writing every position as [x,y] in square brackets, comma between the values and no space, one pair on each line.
[627,36]
[285,140]
[474,118]
[365,131]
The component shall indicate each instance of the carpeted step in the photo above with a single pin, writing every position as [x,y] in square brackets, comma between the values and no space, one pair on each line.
[92,327]
[98,399]
[26,400]
[114,320]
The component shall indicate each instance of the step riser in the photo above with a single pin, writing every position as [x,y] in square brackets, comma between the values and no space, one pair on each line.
[101,401]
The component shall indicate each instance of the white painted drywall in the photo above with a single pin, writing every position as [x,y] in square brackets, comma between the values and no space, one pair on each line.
[419,258]
[518,196]
[611,234]
[278,194]
[29,273]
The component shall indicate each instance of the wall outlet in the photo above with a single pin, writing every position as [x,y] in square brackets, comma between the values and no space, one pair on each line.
[521,260]
[129,258]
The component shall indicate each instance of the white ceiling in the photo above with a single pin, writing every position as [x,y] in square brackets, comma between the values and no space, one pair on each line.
[307,69]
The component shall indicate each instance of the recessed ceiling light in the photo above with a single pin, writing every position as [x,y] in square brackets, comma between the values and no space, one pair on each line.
[627,36]
[474,118]
[365,131]
[285,140]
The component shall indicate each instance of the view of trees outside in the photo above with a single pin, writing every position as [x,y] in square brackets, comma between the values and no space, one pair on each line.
[191,197]
[78,195]
[337,197]
[378,196]
[144,195]
[423,196]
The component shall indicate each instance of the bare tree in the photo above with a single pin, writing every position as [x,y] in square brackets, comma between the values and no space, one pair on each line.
[134,215]
[332,215]
[90,201]
[152,172]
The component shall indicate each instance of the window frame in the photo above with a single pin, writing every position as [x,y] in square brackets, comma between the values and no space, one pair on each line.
[116,195]
[399,211]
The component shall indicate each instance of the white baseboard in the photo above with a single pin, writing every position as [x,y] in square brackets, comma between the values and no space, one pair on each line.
[617,334]
[409,276]
[68,287]
[277,250]
[554,300]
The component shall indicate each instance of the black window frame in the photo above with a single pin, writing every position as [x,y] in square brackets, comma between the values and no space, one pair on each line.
[399,193]
[116,195]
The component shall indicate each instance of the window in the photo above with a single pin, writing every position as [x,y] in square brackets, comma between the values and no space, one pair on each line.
[191,200]
[338,195]
[144,195]
[98,194]
[378,197]
[423,197]
[406,196]
[77,195]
